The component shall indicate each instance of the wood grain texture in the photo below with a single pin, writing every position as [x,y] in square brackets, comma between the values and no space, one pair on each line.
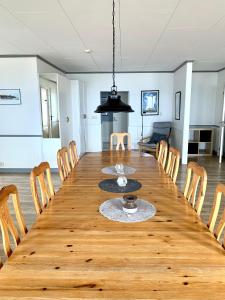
[220,190]
[42,175]
[163,150]
[6,220]
[120,140]
[73,252]
[173,163]
[195,187]
[73,153]
[63,162]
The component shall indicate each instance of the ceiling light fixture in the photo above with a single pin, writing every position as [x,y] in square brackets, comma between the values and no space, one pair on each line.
[87,51]
[114,102]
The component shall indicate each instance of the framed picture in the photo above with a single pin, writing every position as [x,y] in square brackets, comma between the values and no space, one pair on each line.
[177,105]
[150,102]
[10,97]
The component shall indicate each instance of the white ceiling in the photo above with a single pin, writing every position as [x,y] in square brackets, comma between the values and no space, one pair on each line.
[152,35]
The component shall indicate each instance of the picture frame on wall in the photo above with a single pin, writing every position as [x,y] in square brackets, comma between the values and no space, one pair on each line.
[177,105]
[10,97]
[149,102]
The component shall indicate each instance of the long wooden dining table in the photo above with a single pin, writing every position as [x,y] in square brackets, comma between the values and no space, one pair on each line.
[73,252]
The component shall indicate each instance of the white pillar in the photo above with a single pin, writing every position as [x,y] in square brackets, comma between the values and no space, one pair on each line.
[187,107]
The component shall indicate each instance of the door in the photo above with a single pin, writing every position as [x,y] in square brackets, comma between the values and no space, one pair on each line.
[83,119]
[120,120]
[112,122]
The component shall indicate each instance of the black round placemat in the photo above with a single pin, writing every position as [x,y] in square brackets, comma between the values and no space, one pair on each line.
[110,185]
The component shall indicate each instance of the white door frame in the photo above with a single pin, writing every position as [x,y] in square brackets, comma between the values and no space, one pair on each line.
[222,124]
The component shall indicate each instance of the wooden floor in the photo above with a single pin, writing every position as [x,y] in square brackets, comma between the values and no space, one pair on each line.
[216,173]
[27,205]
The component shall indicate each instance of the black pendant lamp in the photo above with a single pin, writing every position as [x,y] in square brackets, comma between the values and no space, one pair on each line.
[114,102]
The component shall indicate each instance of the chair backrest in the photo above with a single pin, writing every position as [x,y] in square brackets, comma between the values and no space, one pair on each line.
[196,180]
[120,137]
[6,220]
[63,163]
[162,128]
[220,190]
[163,150]
[41,175]
[173,163]
[73,153]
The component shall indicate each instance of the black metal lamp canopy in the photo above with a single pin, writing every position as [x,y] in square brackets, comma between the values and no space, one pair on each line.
[114,102]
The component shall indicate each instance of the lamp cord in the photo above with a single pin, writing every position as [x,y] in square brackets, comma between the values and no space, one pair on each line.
[113,65]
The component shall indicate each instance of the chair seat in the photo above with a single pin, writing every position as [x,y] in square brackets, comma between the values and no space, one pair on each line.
[147,145]
[144,154]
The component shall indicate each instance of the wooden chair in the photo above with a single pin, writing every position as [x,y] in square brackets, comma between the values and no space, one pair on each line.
[120,136]
[220,189]
[73,153]
[163,149]
[150,143]
[195,175]
[42,175]
[63,163]
[6,220]
[173,163]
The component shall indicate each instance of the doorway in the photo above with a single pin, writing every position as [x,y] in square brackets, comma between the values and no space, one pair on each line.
[49,108]
[49,104]
[83,117]
[112,122]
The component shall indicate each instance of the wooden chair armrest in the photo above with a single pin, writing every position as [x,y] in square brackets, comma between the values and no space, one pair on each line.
[145,139]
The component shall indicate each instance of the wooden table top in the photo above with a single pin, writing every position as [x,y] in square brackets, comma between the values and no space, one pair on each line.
[73,252]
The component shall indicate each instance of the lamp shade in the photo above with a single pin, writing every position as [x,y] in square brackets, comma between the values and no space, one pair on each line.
[114,104]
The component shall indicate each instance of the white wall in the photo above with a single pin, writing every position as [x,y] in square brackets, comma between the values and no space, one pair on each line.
[219,107]
[204,102]
[219,97]
[79,110]
[203,98]
[43,67]
[20,152]
[180,133]
[21,123]
[66,109]
[24,119]
[68,112]
[21,143]
[83,90]
[133,83]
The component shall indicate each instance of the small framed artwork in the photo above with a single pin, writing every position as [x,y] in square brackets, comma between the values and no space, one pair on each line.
[150,102]
[177,105]
[10,97]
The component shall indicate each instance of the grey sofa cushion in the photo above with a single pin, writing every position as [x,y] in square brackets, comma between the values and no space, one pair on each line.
[162,128]
[157,137]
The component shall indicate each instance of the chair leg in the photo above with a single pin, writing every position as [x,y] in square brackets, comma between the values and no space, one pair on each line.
[140,149]
[157,151]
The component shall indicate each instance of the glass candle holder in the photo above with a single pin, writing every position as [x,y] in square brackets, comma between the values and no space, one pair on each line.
[122,181]
[119,168]
[129,204]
